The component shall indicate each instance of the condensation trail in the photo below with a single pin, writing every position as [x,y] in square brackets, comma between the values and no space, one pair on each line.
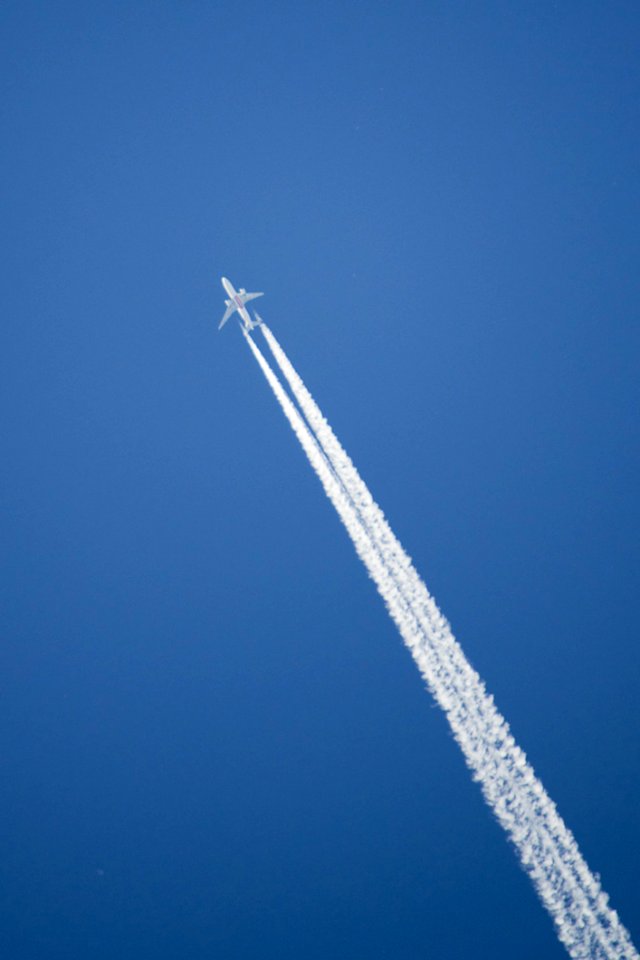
[547,842]
[586,925]
[584,922]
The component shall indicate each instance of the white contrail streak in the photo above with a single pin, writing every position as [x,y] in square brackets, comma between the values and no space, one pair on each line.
[585,921]
[548,851]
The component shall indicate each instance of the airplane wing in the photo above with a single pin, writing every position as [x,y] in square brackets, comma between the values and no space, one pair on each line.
[251,296]
[230,309]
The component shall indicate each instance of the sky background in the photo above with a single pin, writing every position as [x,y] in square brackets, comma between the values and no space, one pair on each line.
[213,741]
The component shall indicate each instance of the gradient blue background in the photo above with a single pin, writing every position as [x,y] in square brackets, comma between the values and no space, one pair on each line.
[213,741]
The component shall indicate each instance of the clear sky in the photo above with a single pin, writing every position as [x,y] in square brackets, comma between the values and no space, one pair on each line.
[213,741]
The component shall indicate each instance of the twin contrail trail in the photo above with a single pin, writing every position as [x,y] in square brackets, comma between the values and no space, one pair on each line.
[585,924]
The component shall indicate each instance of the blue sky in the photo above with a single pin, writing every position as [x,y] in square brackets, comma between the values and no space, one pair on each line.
[213,741]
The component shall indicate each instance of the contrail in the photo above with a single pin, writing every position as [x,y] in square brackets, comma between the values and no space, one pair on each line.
[554,849]
[548,851]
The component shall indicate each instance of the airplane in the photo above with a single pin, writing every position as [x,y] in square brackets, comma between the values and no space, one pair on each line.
[237,300]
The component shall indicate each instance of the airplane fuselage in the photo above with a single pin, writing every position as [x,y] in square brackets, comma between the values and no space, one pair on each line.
[238,299]
[235,298]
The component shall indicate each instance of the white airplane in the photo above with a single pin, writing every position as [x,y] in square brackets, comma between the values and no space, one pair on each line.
[236,301]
